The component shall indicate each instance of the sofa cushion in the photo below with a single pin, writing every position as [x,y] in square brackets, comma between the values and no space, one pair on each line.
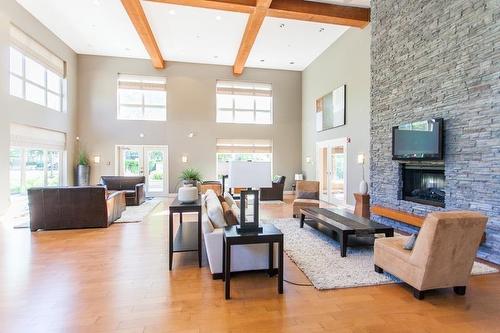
[229,199]
[229,215]
[214,210]
[307,195]
[394,246]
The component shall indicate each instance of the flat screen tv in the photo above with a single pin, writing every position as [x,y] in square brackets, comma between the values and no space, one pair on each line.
[420,140]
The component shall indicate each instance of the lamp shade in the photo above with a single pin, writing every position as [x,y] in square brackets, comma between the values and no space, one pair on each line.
[250,174]
[299,176]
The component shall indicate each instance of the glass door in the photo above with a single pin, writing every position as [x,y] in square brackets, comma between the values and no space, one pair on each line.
[148,161]
[156,170]
[331,170]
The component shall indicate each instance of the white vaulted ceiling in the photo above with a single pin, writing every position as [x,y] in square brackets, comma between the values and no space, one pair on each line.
[188,34]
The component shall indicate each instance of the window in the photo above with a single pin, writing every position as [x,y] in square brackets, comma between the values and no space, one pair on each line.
[244,103]
[229,150]
[36,74]
[36,158]
[142,98]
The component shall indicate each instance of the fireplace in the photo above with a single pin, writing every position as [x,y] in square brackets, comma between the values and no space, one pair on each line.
[423,184]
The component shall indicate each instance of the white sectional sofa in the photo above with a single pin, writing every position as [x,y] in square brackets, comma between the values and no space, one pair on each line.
[243,257]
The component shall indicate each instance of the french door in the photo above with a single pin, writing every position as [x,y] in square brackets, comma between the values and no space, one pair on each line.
[148,161]
[331,157]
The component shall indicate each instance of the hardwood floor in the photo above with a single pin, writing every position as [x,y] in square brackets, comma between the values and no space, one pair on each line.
[117,280]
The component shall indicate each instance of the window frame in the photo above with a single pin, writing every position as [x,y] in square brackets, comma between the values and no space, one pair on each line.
[23,189]
[143,104]
[24,79]
[254,110]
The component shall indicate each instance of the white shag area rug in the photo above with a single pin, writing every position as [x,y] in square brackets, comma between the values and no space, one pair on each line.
[138,213]
[272,202]
[318,256]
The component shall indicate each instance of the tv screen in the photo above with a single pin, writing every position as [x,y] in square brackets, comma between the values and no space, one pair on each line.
[420,140]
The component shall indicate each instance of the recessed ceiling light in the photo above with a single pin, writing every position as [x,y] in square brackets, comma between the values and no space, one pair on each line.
[127,49]
[282,25]
[321,29]
[171,12]
[198,36]
[218,17]
[292,62]
[215,57]
[262,60]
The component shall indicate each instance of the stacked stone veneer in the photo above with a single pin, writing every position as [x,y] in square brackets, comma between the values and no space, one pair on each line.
[440,58]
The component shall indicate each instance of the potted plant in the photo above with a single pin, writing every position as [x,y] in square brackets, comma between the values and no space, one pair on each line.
[82,169]
[190,176]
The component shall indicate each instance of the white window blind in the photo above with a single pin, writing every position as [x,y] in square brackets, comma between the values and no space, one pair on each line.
[37,51]
[229,146]
[142,97]
[34,137]
[244,102]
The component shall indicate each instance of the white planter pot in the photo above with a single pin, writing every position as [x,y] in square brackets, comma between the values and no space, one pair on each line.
[187,194]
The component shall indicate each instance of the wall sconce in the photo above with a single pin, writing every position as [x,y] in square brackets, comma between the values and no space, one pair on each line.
[141,135]
[184,158]
[191,134]
[97,159]
[77,138]
[308,160]
[361,158]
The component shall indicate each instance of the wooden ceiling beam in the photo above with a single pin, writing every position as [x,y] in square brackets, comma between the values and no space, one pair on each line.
[141,24]
[241,6]
[289,9]
[320,12]
[252,28]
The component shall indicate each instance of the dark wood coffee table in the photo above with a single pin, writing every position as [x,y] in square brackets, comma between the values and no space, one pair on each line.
[343,224]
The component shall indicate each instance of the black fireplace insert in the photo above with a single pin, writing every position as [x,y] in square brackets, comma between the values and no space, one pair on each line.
[424,184]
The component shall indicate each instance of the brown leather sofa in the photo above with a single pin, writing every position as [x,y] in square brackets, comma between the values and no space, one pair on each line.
[275,192]
[53,208]
[133,187]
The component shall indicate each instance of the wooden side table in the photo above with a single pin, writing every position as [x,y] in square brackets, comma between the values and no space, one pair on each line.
[188,236]
[270,235]
[362,207]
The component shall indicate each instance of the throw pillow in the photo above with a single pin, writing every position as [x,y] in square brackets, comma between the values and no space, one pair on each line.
[229,215]
[229,199]
[308,195]
[236,211]
[215,213]
[410,243]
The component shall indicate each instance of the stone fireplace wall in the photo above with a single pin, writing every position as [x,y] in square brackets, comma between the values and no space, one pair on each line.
[434,59]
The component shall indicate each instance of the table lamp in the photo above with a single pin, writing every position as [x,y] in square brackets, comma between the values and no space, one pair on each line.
[253,176]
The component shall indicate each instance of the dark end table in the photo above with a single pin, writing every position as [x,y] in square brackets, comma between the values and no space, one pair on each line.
[188,236]
[270,234]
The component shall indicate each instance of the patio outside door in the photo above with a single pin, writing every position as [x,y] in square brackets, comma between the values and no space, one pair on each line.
[331,157]
[148,161]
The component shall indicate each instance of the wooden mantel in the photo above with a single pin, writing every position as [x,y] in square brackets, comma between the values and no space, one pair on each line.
[398,215]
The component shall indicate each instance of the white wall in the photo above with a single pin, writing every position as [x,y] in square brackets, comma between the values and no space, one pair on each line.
[347,61]
[191,107]
[19,111]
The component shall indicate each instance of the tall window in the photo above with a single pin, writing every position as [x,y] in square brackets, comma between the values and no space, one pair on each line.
[142,98]
[36,74]
[36,158]
[245,103]
[229,150]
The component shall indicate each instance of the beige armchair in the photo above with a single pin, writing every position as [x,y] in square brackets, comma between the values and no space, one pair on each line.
[306,195]
[443,254]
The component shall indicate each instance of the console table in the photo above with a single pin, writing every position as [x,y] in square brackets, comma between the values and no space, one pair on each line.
[270,234]
[188,236]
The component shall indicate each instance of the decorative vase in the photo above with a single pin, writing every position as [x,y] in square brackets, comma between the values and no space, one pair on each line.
[83,175]
[363,187]
[187,193]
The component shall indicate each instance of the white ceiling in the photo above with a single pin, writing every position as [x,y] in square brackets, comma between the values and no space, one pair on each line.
[354,3]
[189,34]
